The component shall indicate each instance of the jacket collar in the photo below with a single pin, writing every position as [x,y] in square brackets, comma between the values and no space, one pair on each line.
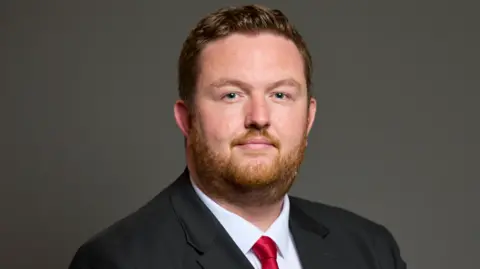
[216,249]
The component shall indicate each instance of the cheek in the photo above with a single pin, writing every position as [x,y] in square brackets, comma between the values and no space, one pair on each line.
[290,126]
[221,126]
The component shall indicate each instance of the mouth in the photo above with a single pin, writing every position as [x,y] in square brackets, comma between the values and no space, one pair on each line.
[256,143]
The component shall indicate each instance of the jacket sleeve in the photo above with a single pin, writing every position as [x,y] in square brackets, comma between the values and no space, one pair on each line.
[90,256]
[387,251]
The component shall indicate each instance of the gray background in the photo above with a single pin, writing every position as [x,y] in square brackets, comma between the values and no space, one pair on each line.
[88,135]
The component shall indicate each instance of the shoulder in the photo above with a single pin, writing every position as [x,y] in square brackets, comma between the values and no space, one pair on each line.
[354,232]
[132,238]
[334,217]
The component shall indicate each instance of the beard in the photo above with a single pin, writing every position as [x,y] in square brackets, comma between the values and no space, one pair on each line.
[244,183]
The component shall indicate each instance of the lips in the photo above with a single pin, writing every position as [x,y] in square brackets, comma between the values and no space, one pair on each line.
[256,141]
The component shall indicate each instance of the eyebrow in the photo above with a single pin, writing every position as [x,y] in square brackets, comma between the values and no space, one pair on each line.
[241,84]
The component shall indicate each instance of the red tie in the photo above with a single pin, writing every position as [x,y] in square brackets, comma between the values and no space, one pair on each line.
[266,251]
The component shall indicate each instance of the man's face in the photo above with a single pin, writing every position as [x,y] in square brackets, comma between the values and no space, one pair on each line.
[251,116]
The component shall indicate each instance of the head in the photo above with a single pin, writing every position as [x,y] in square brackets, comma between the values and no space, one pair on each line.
[245,105]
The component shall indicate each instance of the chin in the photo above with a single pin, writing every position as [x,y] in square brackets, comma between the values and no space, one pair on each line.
[255,160]
[248,154]
[255,166]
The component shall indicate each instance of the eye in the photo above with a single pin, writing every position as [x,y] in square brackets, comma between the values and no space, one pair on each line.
[280,95]
[231,96]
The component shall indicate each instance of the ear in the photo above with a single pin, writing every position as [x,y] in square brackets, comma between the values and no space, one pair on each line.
[312,110]
[182,117]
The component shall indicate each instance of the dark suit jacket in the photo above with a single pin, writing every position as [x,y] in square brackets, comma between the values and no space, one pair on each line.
[176,230]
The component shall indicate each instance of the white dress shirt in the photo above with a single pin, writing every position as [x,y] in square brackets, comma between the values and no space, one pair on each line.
[245,234]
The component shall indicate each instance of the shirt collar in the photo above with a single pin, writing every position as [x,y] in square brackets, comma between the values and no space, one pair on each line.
[245,234]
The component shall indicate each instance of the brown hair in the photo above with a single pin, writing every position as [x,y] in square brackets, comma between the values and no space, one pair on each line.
[225,21]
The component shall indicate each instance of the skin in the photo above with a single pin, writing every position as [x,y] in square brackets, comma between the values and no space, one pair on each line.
[249,86]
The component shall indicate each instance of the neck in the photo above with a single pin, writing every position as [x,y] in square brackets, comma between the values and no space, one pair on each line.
[260,216]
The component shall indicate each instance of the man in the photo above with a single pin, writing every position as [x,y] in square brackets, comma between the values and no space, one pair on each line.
[245,109]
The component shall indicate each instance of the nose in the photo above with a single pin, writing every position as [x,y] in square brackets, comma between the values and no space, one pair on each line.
[258,114]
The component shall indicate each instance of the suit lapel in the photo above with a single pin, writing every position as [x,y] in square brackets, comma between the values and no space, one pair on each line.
[312,242]
[223,255]
[215,248]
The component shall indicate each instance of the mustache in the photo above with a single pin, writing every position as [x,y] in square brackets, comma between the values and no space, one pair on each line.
[252,133]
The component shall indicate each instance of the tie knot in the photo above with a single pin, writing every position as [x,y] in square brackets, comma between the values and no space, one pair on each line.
[265,248]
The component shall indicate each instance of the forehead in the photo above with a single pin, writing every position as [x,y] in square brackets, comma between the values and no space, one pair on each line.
[253,58]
